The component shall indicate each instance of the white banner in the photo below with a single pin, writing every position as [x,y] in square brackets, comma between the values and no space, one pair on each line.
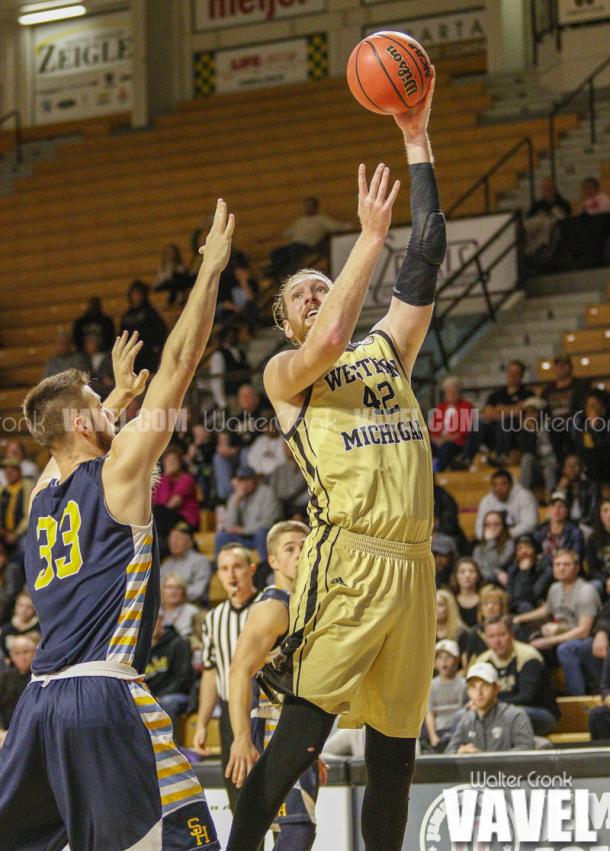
[82,68]
[436,30]
[214,14]
[581,11]
[464,238]
[270,64]
[333,816]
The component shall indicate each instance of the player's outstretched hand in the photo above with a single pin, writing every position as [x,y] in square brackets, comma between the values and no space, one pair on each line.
[217,248]
[414,123]
[242,758]
[124,353]
[374,202]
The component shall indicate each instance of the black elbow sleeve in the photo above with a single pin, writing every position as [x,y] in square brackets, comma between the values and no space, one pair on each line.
[416,282]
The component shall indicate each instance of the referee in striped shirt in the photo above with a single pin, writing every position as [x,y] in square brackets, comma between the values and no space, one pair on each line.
[221,630]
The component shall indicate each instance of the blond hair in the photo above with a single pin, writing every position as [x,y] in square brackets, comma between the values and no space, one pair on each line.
[46,405]
[282,528]
[279,305]
[454,624]
[492,592]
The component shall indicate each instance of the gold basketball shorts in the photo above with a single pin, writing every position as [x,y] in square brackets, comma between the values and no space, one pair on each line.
[363,629]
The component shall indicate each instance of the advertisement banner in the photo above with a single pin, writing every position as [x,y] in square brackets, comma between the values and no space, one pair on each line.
[82,68]
[583,11]
[464,238]
[272,64]
[446,34]
[216,14]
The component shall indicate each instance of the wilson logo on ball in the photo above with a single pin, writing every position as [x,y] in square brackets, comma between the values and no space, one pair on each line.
[404,72]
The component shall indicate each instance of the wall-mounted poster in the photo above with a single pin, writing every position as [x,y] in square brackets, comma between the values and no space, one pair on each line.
[583,11]
[82,68]
[216,14]
[272,64]
[445,34]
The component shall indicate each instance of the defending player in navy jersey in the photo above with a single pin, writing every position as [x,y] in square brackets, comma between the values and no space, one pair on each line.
[253,717]
[89,759]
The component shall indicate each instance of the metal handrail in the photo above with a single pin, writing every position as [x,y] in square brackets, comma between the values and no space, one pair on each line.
[553,26]
[484,179]
[16,115]
[588,82]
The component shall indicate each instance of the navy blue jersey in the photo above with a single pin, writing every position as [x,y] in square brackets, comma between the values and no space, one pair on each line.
[94,581]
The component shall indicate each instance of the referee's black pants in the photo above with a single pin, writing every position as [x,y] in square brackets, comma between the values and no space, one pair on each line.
[226,740]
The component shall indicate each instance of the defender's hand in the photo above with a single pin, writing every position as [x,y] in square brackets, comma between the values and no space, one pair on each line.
[414,123]
[124,353]
[199,741]
[217,248]
[243,756]
[374,208]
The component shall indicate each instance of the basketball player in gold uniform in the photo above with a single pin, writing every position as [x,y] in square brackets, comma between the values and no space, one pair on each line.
[362,616]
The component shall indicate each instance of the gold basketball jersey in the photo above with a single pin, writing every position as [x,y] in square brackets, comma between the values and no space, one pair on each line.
[362,444]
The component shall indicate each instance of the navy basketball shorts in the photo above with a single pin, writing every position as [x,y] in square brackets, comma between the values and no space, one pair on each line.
[90,763]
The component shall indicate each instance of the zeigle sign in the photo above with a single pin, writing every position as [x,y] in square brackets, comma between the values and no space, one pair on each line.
[215,14]
[82,68]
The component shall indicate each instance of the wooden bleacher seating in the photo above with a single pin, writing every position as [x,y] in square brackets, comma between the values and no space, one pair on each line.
[572,727]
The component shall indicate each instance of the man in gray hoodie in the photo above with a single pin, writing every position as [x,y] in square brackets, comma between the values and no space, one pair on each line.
[517,502]
[490,725]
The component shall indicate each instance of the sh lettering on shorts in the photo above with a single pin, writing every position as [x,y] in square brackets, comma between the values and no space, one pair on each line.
[198,831]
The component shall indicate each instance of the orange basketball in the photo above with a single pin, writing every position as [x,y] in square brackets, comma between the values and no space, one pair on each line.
[389,72]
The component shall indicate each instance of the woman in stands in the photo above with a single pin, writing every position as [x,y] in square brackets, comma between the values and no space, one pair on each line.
[598,551]
[465,584]
[493,603]
[176,611]
[448,621]
[495,552]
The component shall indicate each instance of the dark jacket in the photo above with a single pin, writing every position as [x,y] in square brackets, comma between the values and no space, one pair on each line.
[446,518]
[571,539]
[153,333]
[524,679]
[528,586]
[93,322]
[169,670]
[598,555]
[12,686]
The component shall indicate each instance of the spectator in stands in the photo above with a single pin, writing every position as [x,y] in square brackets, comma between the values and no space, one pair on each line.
[599,716]
[450,425]
[244,293]
[592,436]
[99,367]
[169,673]
[540,222]
[14,679]
[517,502]
[29,470]
[173,276]
[570,607]
[267,451]
[175,609]
[538,461]
[199,459]
[6,596]
[187,563]
[490,725]
[499,427]
[593,200]
[563,396]
[448,621]
[175,495]
[142,317]
[529,576]
[495,552]
[254,412]
[444,551]
[493,602]
[230,291]
[598,551]
[446,518]
[466,583]
[447,695]
[14,504]
[557,532]
[23,622]
[306,234]
[522,675]
[93,321]
[582,493]
[225,462]
[229,367]
[582,659]
[65,357]
[289,486]
[251,511]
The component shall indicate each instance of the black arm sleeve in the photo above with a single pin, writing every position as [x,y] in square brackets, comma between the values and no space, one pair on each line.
[416,281]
